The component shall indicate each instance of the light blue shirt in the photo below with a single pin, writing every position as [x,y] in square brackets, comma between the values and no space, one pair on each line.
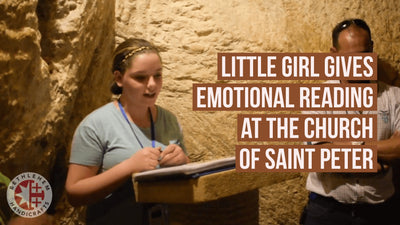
[104,138]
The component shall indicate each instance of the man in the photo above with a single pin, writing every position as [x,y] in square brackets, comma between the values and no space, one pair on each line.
[356,198]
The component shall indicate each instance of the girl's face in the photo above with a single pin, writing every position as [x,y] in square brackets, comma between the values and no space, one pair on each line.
[142,81]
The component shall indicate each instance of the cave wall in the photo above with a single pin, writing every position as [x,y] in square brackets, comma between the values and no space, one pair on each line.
[51,56]
[55,61]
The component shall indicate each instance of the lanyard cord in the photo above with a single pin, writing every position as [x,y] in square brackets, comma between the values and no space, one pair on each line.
[153,132]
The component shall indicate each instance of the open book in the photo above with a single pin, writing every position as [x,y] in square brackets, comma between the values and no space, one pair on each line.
[190,170]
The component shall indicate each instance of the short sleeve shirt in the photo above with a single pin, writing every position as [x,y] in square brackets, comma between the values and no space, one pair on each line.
[105,138]
[363,188]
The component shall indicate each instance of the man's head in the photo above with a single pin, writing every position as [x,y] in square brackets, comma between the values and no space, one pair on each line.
[351,36]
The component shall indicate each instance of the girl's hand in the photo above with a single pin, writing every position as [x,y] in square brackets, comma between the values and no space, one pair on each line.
[144,159]
[173,155]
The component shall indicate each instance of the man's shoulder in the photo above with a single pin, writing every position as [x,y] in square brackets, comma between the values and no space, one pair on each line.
[389,91]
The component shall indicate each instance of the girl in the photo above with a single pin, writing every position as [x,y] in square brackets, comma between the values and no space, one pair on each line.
[126,136]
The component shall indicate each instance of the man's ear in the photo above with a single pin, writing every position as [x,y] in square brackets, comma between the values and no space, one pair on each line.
[333,50]
[118,78]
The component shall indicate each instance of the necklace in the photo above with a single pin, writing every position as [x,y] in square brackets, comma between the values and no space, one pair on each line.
[152,129]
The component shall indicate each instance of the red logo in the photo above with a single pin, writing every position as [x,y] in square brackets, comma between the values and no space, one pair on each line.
[29,194]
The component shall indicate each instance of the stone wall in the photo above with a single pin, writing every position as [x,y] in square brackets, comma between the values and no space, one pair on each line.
[55,68]
[192,33]
[51,56]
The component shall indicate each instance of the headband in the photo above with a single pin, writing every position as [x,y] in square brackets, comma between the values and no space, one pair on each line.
[134,50]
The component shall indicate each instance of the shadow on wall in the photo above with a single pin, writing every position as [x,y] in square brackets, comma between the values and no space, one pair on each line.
[387,73]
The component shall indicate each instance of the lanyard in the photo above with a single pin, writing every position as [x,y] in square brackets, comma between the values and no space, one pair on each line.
[152,129]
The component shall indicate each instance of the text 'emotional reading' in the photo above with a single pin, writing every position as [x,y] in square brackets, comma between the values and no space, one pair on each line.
[341,109]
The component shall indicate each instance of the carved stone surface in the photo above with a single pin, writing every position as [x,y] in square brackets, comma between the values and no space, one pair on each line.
[55,59]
